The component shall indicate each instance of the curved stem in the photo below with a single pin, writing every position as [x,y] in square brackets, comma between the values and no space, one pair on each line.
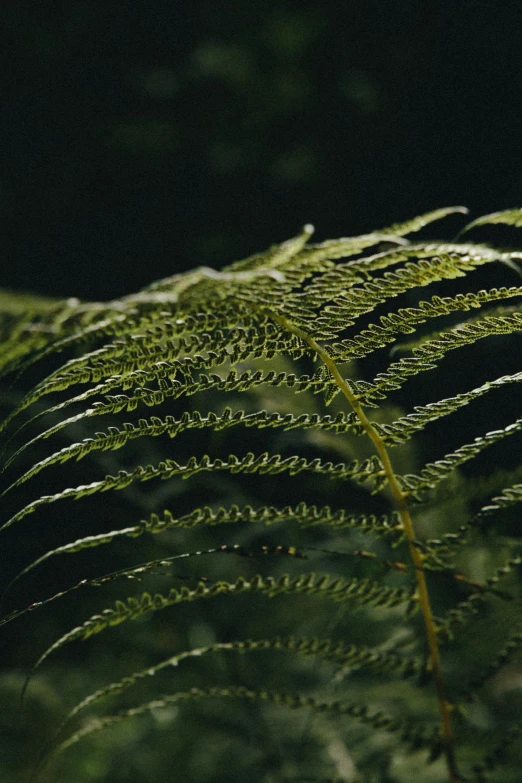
[416,556]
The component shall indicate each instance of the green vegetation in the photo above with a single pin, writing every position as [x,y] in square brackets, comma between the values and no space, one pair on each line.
[260,467]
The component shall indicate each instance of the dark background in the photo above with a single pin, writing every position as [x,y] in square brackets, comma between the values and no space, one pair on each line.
[140,139]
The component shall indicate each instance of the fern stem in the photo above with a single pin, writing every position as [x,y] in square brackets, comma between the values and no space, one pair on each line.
[416,556]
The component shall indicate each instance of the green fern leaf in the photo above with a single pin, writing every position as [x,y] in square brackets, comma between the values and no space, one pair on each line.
[511,217]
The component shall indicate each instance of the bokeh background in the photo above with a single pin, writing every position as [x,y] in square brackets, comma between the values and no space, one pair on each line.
[140,139]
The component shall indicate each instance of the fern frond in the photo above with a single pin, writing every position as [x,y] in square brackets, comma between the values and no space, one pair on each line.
[511,649]
[347,306]
[346,276]
[233,381]
[404,320]
[435,472]
[509,496]
[137,572]
[125,370]
[460,614]
[510,217]
[264,464]
[415,735]
[351,656]
[358,591]
[295,319]
[30,324]
[426,355]
[117,438]
[325,650]
[402,429]
[438,553]
[417,223]
[303,514]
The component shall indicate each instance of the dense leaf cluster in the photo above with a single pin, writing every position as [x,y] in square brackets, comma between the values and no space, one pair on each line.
[238,367]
